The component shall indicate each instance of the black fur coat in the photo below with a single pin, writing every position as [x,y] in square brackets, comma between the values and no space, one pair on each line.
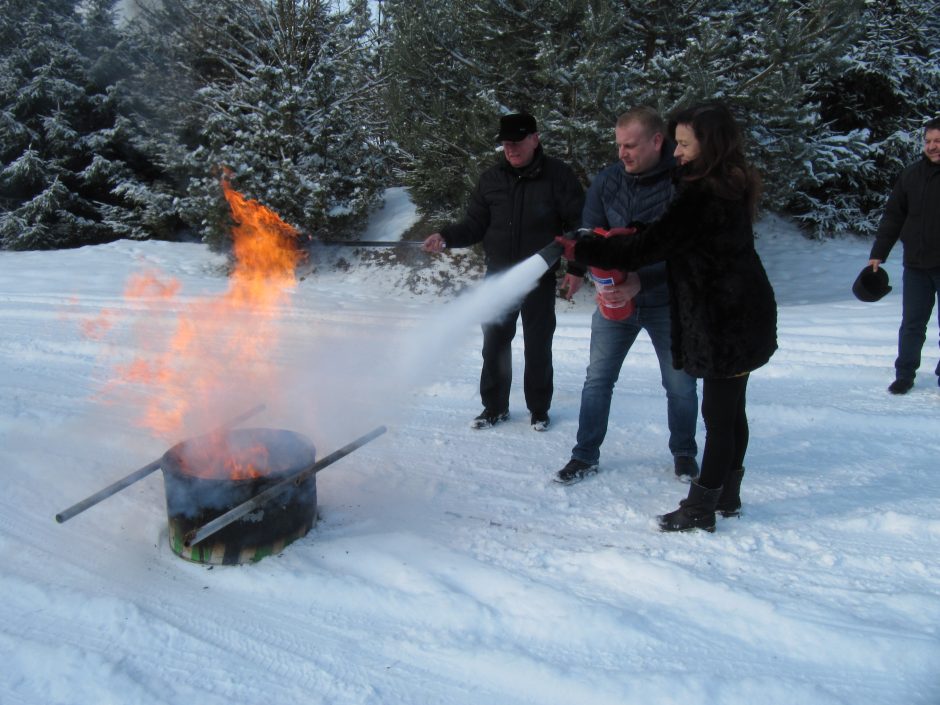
[724,315]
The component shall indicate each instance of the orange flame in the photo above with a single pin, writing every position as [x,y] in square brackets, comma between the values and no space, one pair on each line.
[219,351]
[265,250]
[219,460]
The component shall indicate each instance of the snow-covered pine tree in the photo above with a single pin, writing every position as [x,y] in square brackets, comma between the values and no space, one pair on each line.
[577,64]
[872,106]
[457,66]
[822,150]
[62,154]
[280,95]
[764,59]
[440,101]
[633,55]
[562,47]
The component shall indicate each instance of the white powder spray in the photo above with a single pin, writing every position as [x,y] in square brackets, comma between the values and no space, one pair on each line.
[494,297]
[361,379]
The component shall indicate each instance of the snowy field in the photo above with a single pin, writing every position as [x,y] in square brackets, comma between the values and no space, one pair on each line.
[447,568]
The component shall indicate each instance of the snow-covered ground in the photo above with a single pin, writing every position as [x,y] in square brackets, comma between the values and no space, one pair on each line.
[446,566]
[396,214]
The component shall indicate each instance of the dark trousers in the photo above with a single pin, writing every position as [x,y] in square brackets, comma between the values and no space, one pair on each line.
[726,430]
[538,327]
[921,290]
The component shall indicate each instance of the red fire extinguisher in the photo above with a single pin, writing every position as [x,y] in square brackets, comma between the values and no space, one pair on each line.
[605,278]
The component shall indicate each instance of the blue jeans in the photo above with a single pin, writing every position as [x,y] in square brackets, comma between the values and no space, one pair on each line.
[610,343]
[921,289]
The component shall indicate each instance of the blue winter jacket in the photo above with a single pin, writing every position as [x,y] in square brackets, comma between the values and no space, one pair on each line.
[615,199]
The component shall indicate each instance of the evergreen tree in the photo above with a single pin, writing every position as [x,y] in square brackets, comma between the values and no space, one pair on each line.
[830,91]
[761,58]
[578,64]
[107,134]
[440,101]
[279,95]
[549,65]
[872,107]
[458,65]
[63,158]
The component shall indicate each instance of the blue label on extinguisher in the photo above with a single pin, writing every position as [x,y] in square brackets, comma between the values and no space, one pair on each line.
[603,281]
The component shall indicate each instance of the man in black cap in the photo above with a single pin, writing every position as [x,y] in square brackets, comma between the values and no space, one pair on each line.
[912,215]
[518,207]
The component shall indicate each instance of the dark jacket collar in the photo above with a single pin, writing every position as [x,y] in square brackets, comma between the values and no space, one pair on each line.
[665,167]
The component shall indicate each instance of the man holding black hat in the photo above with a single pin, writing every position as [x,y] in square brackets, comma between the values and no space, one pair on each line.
[518,207]
[912,215]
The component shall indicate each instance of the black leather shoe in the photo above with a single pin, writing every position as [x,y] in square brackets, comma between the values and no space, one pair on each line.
[575,471]
[540,421]
[488,419]
[901,386]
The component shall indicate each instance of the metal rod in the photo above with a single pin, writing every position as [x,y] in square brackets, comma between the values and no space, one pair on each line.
[116,487]
[248,506]
[371,243]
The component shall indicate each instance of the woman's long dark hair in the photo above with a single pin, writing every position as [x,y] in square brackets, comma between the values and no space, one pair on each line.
[721,164]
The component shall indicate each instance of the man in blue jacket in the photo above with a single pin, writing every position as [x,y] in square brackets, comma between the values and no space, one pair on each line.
[638,187]
[518,207]
[912,215]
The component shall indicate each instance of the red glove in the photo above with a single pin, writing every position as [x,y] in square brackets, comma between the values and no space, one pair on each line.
[568,246]
[616,232]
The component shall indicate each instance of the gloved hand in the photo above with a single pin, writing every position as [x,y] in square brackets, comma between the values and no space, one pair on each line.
[637,226]
[567,247]
[617,232]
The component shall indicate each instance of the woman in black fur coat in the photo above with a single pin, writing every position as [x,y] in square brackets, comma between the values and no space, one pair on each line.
[724,316]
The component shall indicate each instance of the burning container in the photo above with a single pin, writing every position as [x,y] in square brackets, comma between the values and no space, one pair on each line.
[233,496]
[206,476]
[252,491]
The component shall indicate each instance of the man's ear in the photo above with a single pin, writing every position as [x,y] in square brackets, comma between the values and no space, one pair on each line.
[658,140]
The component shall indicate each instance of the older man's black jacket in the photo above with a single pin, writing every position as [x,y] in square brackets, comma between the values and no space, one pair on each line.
[517,212]
[913,215]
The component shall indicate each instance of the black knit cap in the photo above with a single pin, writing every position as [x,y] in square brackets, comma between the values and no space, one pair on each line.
[871,285]
[516,127]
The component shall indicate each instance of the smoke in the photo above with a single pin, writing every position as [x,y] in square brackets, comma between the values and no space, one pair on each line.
[332,380]
[425,353]
[363,374]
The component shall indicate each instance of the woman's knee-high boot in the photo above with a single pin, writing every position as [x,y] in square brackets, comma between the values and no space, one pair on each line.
[729,504]
[697,511]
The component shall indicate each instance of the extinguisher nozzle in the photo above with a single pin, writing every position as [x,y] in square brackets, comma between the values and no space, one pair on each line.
[551,253]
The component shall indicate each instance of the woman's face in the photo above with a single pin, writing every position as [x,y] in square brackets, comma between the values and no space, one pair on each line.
[687,146]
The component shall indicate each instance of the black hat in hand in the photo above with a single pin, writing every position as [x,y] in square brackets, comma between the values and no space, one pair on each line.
[871,284]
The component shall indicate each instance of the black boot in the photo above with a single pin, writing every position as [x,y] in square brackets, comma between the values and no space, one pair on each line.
[729,504]
[697,511]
